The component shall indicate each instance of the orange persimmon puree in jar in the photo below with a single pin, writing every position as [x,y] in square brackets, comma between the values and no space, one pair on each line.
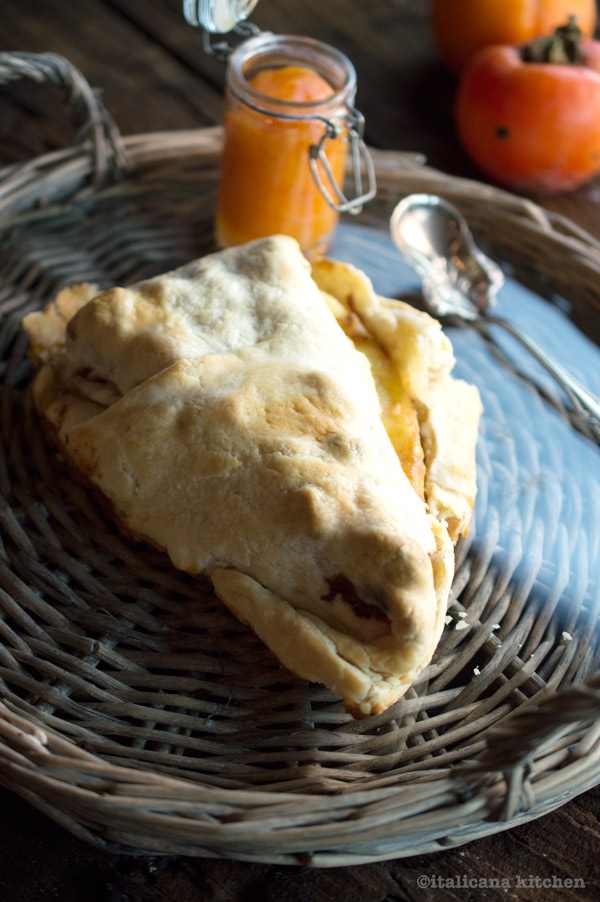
[281,93]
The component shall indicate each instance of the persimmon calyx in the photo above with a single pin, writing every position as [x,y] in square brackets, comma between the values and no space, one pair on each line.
[563,47]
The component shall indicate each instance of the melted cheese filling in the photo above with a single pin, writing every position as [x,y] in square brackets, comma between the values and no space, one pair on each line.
[398,413]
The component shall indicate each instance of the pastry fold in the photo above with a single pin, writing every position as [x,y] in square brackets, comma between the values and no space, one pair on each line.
[228,420]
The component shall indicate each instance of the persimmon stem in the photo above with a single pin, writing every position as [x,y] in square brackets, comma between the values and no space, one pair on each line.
[562,47]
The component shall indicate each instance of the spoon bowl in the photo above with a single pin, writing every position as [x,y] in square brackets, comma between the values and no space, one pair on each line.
[433,236]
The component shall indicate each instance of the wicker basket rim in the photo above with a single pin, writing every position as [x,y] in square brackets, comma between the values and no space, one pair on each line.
[525,769]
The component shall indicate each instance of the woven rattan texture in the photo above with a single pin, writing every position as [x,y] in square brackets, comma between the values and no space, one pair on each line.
[139,714]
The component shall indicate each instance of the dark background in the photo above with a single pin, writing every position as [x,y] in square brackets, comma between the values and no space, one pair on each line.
[153,75]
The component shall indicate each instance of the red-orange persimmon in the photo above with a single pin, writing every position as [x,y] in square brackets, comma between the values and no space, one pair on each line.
[462,27]
[533,125]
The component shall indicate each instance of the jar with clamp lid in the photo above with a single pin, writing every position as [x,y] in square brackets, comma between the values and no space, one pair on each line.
[290,131]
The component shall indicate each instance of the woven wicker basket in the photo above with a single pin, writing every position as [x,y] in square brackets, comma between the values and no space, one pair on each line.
[138,713]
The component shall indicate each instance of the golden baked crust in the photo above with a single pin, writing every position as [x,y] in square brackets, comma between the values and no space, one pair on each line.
[230,422]
[409,351]
[47,330]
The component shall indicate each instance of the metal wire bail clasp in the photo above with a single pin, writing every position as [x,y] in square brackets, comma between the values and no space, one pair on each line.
[222,49]
[354,123]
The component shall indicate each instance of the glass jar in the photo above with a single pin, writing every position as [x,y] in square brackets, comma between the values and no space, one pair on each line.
[284,159]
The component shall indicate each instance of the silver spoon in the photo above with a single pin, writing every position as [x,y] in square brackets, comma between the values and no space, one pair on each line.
[459,280]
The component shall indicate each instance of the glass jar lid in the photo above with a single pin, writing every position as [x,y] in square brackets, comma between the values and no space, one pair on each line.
[217,16]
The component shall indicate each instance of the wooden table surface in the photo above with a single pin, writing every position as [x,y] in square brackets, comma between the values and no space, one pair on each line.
[153,75]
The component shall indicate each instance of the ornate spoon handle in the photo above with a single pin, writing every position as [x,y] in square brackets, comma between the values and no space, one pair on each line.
[585,402]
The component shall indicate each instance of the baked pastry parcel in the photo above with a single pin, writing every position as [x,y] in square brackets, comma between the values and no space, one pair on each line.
[286,432]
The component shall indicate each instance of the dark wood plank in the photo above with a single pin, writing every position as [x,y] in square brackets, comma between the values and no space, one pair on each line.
[40,861]
[143,85]
[153,75]
[152,72]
